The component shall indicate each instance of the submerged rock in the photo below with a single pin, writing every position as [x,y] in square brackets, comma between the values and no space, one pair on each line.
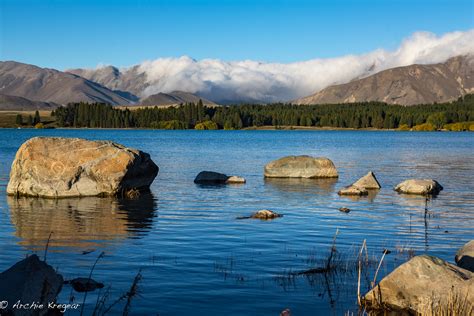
[211,177]
[262,214]
[29,280]
[70,167]
[344,209]
[265,214]
[465,256]
[421,283]
[419,186]
[84,284]
[301,167]
[353,190]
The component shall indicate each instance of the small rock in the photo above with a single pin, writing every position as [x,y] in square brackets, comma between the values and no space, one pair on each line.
[465,256]
[344,210]
[353,190]
[285,312]
[84,284]
[419,186]
[301,167]
[369,181]
[29,280]
[235,180]
[210,177]
[265,214]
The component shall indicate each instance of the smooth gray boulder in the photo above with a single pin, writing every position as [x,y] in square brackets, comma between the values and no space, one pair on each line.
[465,256]
[419,186]
[301,167]
[29,280]
[419,284]
[211,177]
[57,167]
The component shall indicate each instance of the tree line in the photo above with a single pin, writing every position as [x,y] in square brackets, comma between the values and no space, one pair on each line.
[197,116]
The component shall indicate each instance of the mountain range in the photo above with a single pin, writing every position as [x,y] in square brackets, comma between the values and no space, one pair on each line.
[24,86]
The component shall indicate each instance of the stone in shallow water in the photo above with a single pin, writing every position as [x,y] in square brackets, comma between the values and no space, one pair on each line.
[29,280]
[211,177]
[465,256]
[235,180]
[419,186]
[369,182]
[84,284]
[353,190]
[56,167]
[301,167]
[265,214]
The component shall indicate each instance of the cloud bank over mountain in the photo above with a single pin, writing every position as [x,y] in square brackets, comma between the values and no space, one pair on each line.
[230,81]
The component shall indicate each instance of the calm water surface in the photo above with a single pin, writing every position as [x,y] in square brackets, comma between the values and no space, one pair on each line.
[197,259]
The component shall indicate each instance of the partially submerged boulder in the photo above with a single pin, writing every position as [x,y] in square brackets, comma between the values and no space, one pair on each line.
[29,280]
[301,167]
[368,182]
[419,186]
[360,187]
[422,283]
[211,177]
[56,167]
[353,190]
[465,256]
[84,284]
[262,214]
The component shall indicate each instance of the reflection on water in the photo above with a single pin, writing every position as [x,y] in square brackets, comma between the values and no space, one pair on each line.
[315,186]
[79,222]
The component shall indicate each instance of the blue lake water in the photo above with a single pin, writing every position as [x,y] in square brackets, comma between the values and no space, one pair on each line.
[196,258]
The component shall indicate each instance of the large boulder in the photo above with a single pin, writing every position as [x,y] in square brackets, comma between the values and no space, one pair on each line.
[465,256]
[69,167]
[421,284]
[29,280]
[301,167]
[211,177]
[419,186]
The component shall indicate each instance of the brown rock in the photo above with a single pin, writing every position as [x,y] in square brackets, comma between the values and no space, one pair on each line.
[353,190]
[235,180]
[419,186]
[68,167]
[418,285]
[265,214]
[301,167]
[369,182]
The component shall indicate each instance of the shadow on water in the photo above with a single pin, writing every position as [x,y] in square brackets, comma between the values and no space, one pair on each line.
[80,222]
[321,186]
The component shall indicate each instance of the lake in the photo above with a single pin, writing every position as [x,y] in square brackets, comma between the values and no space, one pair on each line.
[197,258]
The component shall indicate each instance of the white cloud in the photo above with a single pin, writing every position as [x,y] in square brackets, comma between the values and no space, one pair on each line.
[251,80]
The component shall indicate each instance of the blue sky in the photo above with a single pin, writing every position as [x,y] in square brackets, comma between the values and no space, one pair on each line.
[66,34]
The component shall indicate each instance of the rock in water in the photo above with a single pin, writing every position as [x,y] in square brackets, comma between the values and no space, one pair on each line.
[353,190]
[70,167]
[419,186]
[211,177]
[301,167]
[465,256]
[265,214]
[368,182]
[235,180]
[417,285]
[360,187]
[30,280]
[84,284]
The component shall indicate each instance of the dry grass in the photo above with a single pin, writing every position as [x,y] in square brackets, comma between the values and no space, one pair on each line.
[454,305]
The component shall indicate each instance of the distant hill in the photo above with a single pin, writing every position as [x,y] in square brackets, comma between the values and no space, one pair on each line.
[49,85]
[409,85]
[14,103]
[175,97]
